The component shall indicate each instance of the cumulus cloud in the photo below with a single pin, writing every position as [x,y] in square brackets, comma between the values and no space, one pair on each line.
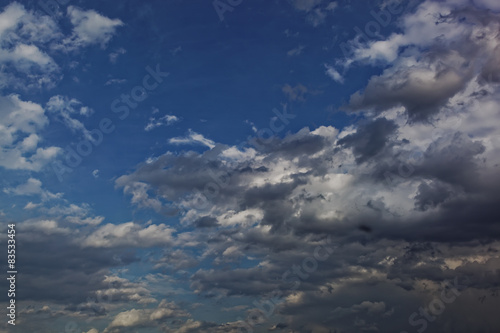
[145,317]
[33,187]
[23,36]
[90,27]
[446,47]
[21,122]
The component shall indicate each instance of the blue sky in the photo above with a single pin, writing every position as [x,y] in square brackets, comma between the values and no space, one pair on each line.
[251,166]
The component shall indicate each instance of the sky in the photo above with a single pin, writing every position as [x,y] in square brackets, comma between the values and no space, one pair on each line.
[308,166]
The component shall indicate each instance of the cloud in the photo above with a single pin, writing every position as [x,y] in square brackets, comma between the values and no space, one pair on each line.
[113,56]
[442,56]
[129,234]
[296,51]
[21,122]
[285,221]
[334,74]
[192,138]
[316,10]
[120,289]
[295,93]
[420,191]
[23,35]
[64,108]
[166,120]
[115,81]
[33,187]
[48,227]
[146,317]
[90,27]
[370,139]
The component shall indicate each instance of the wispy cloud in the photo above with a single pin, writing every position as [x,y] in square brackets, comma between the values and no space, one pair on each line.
[192,138]
[166,120]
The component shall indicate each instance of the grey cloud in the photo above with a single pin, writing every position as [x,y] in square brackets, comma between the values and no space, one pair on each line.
[370,139]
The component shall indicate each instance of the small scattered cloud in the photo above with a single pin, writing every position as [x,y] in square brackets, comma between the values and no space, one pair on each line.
[299,92]
[176,50]
[316,10]
[333,74]
[296,51]
[113,56]
[192,138]
[64,108]
[252,124]
[166,120]
[115,81]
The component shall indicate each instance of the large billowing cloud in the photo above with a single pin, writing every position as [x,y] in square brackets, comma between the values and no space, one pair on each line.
[442,47]
[406,199]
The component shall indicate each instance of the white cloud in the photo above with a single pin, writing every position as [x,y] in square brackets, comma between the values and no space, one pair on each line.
[24,56]
[166,120]
[115,81]
[113,56]
[20,122]
[30,205]
[130,234]
[334,74]
[65,107]
[192,138]
[85,221]
[22,35]
[48,227]
[90,27]
[125,290]
[33,187]
[296,51]
[146,317]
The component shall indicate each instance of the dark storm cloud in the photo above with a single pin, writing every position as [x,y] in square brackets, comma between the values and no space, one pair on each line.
[83,271]
[206,222]
[431,195]
[420,99]
[453,159]
[370,139]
